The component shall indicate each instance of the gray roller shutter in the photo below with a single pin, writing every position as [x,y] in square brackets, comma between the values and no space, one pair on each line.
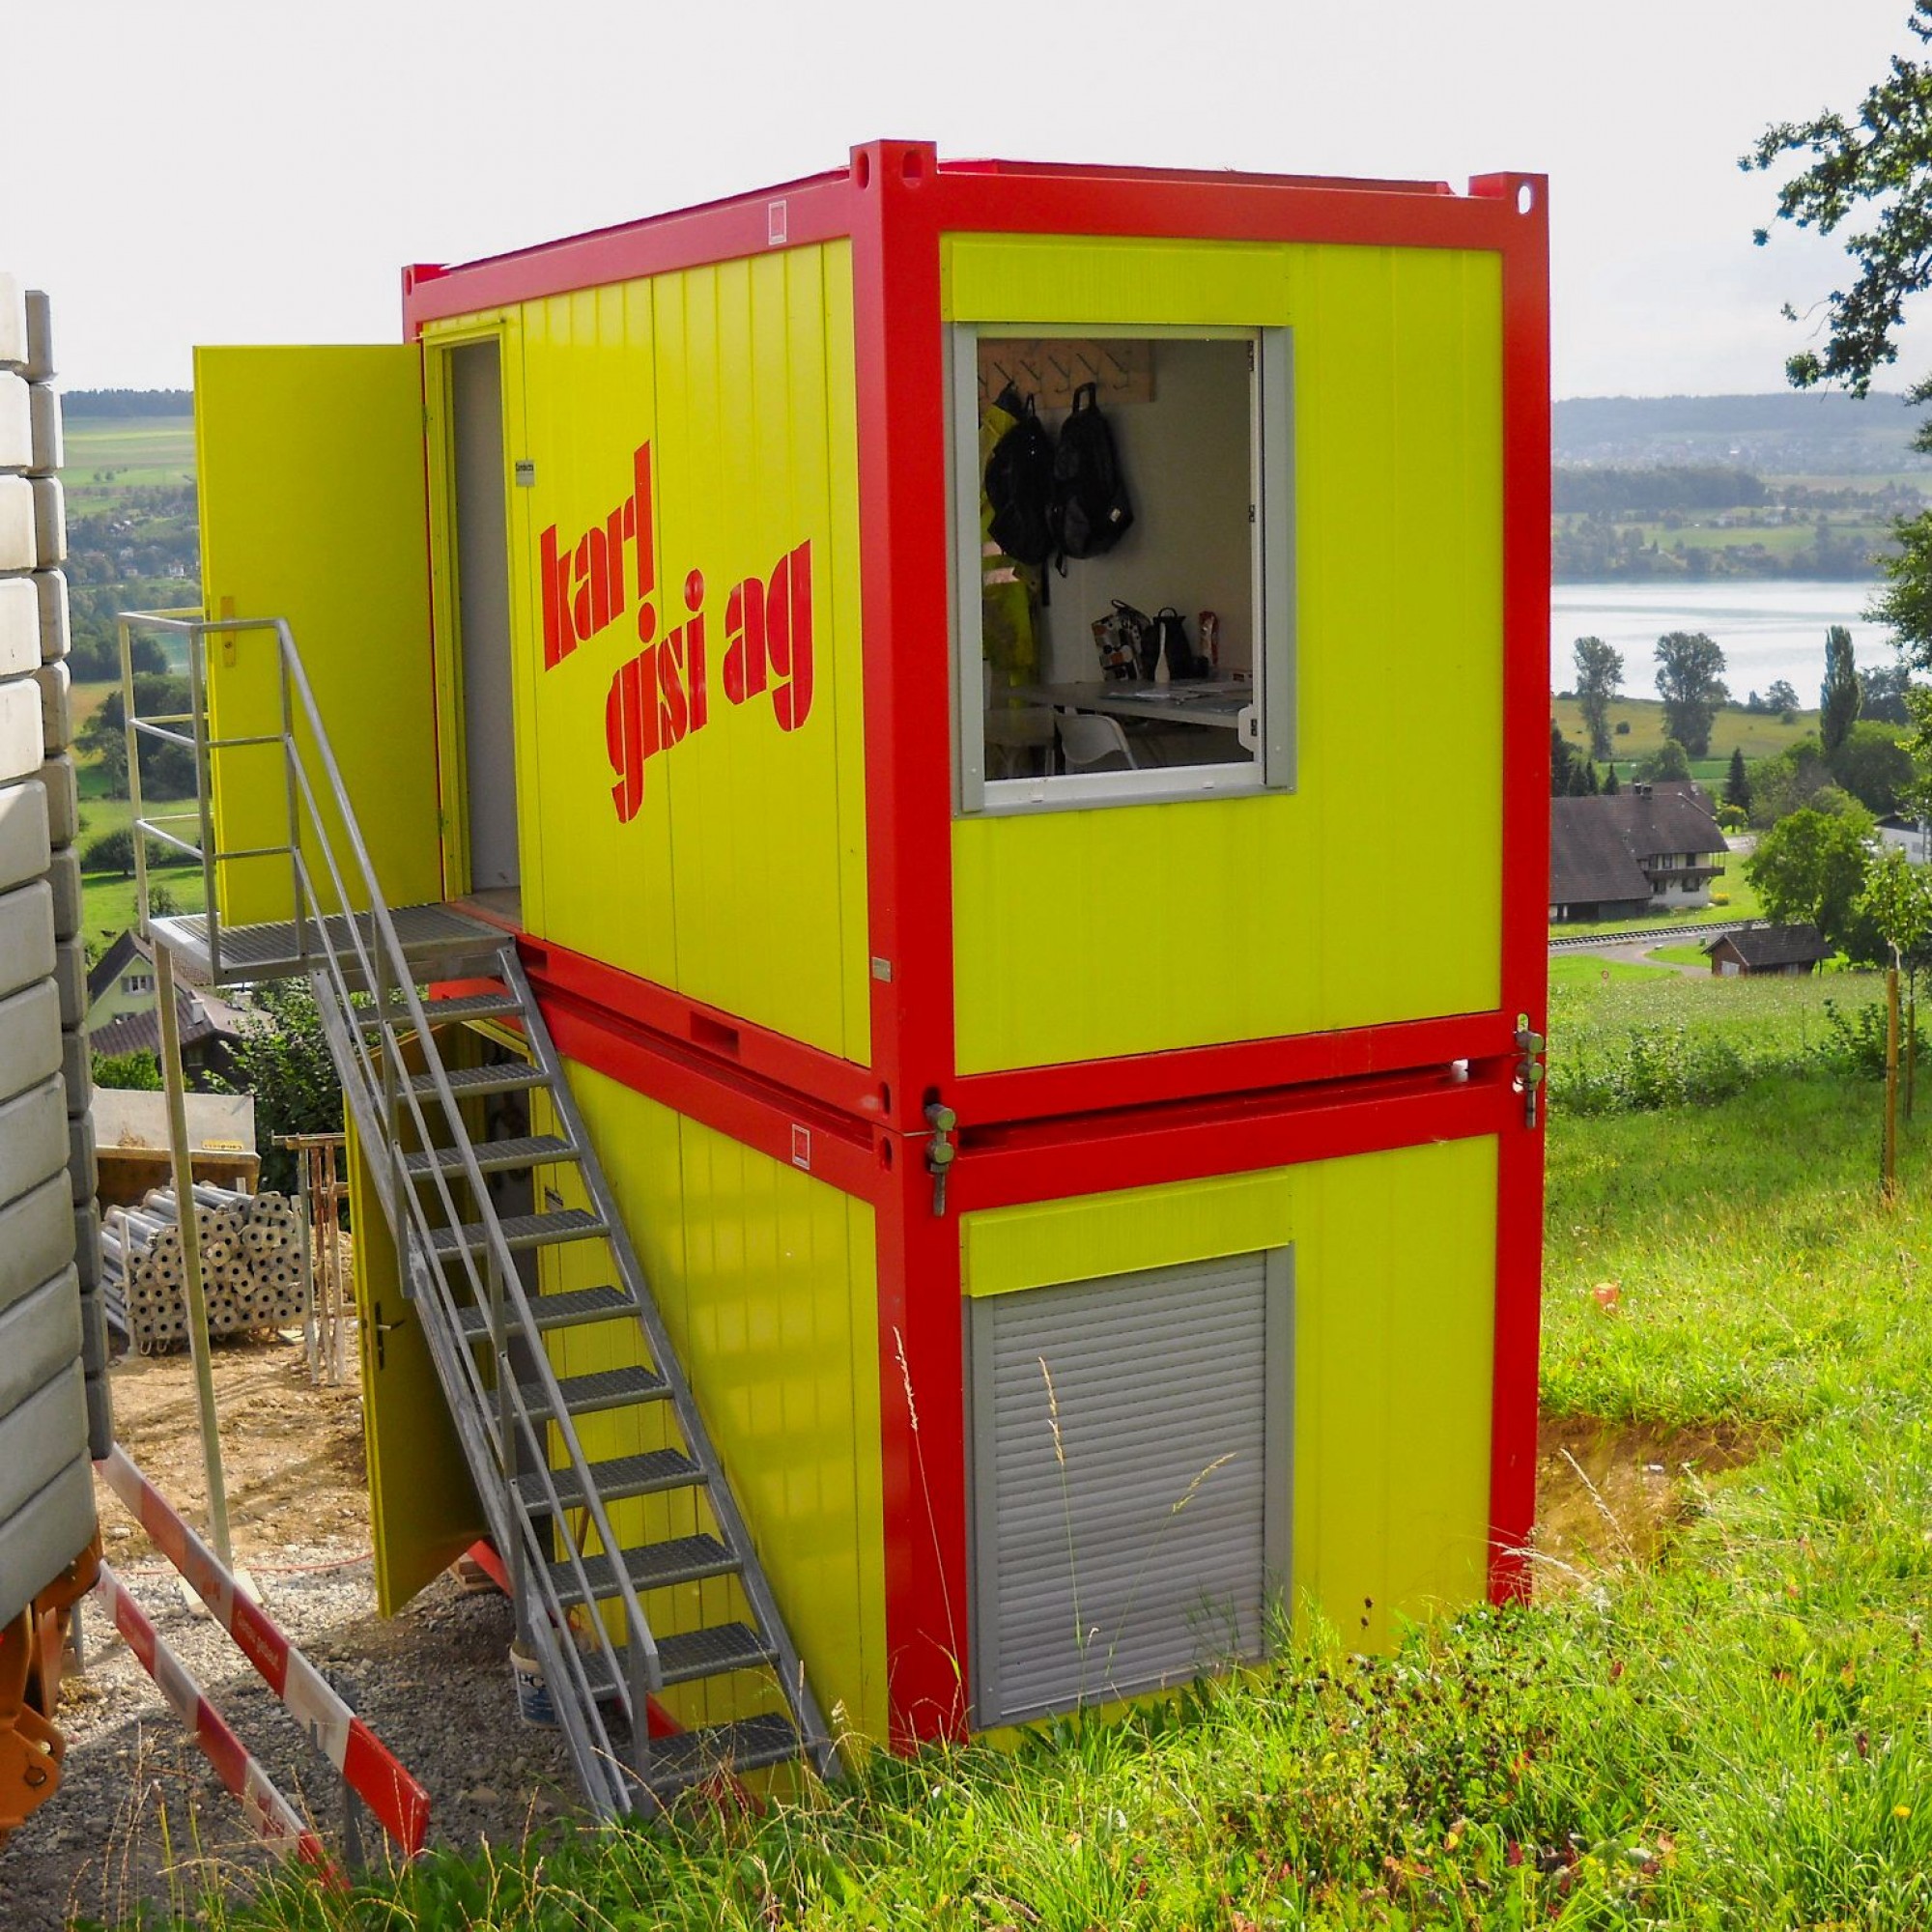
[1151,1552]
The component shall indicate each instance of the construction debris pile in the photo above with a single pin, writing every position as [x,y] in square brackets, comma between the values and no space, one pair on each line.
[251,1264]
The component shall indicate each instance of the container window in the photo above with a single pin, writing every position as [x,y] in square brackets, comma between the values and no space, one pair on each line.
[1131,1481]
[1157,666]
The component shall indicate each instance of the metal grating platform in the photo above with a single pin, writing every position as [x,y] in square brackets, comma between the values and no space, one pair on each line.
[443,940]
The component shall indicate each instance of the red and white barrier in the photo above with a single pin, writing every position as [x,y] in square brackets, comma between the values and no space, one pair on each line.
[267,1810]
[395,1799]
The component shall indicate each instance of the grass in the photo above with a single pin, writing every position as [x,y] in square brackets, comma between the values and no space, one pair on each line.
[1690,954]
[1757,733]
[107,455]
[1587,969]
[1734,1737]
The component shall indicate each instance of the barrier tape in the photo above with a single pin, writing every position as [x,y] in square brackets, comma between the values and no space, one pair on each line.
[370,1769]
[271,1814]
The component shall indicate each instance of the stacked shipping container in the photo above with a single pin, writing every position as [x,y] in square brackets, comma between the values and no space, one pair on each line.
[1092,1216]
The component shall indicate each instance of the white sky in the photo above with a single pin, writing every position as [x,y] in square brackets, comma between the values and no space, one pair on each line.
[182,171]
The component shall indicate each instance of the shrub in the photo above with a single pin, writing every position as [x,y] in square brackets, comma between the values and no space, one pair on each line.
[139,1071]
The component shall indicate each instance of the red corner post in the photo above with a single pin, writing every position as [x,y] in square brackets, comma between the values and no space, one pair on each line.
[1525,936]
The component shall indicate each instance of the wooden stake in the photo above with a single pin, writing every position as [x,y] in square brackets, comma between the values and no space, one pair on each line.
[1892,1081]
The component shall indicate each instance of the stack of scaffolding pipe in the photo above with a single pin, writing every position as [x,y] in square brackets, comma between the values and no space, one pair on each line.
[251,1274]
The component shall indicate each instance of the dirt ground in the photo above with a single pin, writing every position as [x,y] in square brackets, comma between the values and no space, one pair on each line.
[140,1817]
[1607,1495]
[290,1450]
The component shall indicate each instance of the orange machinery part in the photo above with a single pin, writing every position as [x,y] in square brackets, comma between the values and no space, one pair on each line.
[31,1648]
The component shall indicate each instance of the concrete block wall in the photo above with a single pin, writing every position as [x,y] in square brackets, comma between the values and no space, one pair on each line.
[54,1412]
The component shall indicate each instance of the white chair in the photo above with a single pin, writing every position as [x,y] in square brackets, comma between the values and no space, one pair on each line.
[1086,739]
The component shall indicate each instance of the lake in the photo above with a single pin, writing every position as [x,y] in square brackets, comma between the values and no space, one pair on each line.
[1769,628]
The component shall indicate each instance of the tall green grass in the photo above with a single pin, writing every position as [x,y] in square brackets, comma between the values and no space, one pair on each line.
[1735,1738]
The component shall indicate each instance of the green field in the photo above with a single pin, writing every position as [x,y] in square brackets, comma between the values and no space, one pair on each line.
[106,454]
[1757,733]
[1724,1729]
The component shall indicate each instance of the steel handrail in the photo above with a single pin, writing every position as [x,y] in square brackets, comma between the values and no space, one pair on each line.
[376,1090]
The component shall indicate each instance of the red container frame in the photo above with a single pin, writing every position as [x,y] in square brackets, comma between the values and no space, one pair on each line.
[894,201]
[922,1369]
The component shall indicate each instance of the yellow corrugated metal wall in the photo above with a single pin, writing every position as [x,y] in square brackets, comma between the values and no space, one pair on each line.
[767,1281]
[1393,1325]
[1135,929]
[741,378]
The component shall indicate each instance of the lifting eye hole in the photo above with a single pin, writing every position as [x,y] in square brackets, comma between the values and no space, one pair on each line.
[1526,199]
[862,169]
[912,165]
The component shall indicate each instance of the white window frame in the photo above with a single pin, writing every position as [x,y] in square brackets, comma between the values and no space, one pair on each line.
[1272,493]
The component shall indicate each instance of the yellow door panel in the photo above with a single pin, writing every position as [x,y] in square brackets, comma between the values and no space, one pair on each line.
[1394,1270]
[310,473]
[423,1511]
[1137,928]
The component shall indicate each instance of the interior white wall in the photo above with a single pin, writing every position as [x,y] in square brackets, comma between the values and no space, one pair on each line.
[1186,459]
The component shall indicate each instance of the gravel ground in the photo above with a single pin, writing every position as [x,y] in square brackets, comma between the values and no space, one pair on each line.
[140,1817]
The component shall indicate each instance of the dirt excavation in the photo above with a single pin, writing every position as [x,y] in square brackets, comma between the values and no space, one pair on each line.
[1613,1494]
[141,1816]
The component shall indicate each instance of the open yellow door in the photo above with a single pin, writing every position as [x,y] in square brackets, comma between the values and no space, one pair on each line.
[313,508]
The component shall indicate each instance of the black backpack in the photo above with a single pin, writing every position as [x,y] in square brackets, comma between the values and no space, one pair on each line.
[1019,484]
[1090,513]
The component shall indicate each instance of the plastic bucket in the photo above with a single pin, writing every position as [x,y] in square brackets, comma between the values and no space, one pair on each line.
[533,1704]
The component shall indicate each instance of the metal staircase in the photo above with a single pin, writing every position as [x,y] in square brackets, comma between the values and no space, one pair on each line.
[470,1162]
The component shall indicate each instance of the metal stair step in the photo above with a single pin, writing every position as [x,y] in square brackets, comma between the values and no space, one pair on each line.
[683,1559]
[522,1231]
[567,1309]
[491,1157]
[606,1388]
[508,1076]
[713,1652]
[688,1757]
[641,1475]
[440,1012]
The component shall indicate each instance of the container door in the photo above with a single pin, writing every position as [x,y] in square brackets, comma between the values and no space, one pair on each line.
[313,508]
[423,1509]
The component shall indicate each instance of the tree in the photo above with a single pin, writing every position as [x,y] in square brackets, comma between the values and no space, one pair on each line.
[1885,689]
[1781,696]
[1737,781]
[1840,696]
[282,1058]
[1611,785]
[1667,764]
[1874,767]
[1562,762]
[167,771]
[1812,866]
[139,1070]
[1896,902]
[1787,781]
[1599,671]
[1689,679]
[1874,167]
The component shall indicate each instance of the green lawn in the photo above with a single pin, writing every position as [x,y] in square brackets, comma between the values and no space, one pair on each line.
[1586,969]
[1733,1737]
